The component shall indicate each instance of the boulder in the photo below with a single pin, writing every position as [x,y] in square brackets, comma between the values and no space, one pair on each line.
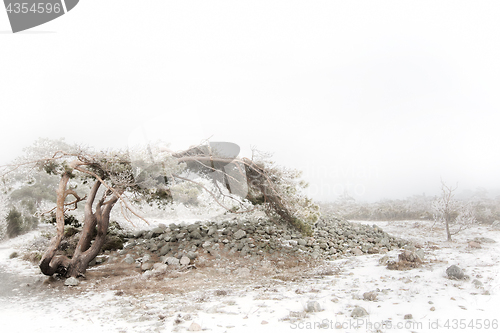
[358,311]
[71,282]
[455,272]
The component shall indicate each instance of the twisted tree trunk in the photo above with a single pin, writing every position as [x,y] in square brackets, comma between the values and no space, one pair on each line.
[86,250]
[50,263]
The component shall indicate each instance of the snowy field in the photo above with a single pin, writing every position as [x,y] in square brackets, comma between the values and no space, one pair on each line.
[416,300]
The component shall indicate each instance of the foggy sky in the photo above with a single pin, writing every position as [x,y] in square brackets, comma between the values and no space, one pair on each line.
[379,99]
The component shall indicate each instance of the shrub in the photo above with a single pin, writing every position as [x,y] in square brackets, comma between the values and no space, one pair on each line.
[14,223]
[112,243]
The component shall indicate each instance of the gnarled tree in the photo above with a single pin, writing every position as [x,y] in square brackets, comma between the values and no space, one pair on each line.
[121,177]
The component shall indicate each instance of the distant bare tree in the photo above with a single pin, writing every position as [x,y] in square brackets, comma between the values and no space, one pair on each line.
[455,215]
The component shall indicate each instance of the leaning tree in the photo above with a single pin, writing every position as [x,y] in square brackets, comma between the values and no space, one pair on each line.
[157,175]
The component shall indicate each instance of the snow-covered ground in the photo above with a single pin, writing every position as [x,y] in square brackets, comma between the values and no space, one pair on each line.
[435,303]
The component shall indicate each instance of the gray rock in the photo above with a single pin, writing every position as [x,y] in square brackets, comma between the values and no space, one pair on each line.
[239,234]
[191,255]
[370,296]
[138,233]
[357,252]
[384,242]
[302,242]
[211,231]
[455,272]
[477,283]
[129,259]
[159,267]
[420,253]
[146,266]
[358,311]
[313,306]
[172,261]
[408,316]
[71,282]
[184,261]
[146,258]
[157,231]
[165,249]
[195,234]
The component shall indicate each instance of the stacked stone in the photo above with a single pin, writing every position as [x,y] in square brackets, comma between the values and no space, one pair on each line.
[332,239]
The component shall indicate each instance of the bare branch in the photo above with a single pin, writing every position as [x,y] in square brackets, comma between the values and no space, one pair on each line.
[213,195]
[115,192]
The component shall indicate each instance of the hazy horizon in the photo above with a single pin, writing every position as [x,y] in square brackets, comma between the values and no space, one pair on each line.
[379,99]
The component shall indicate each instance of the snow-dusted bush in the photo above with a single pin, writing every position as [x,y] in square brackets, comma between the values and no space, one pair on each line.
[456,215]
